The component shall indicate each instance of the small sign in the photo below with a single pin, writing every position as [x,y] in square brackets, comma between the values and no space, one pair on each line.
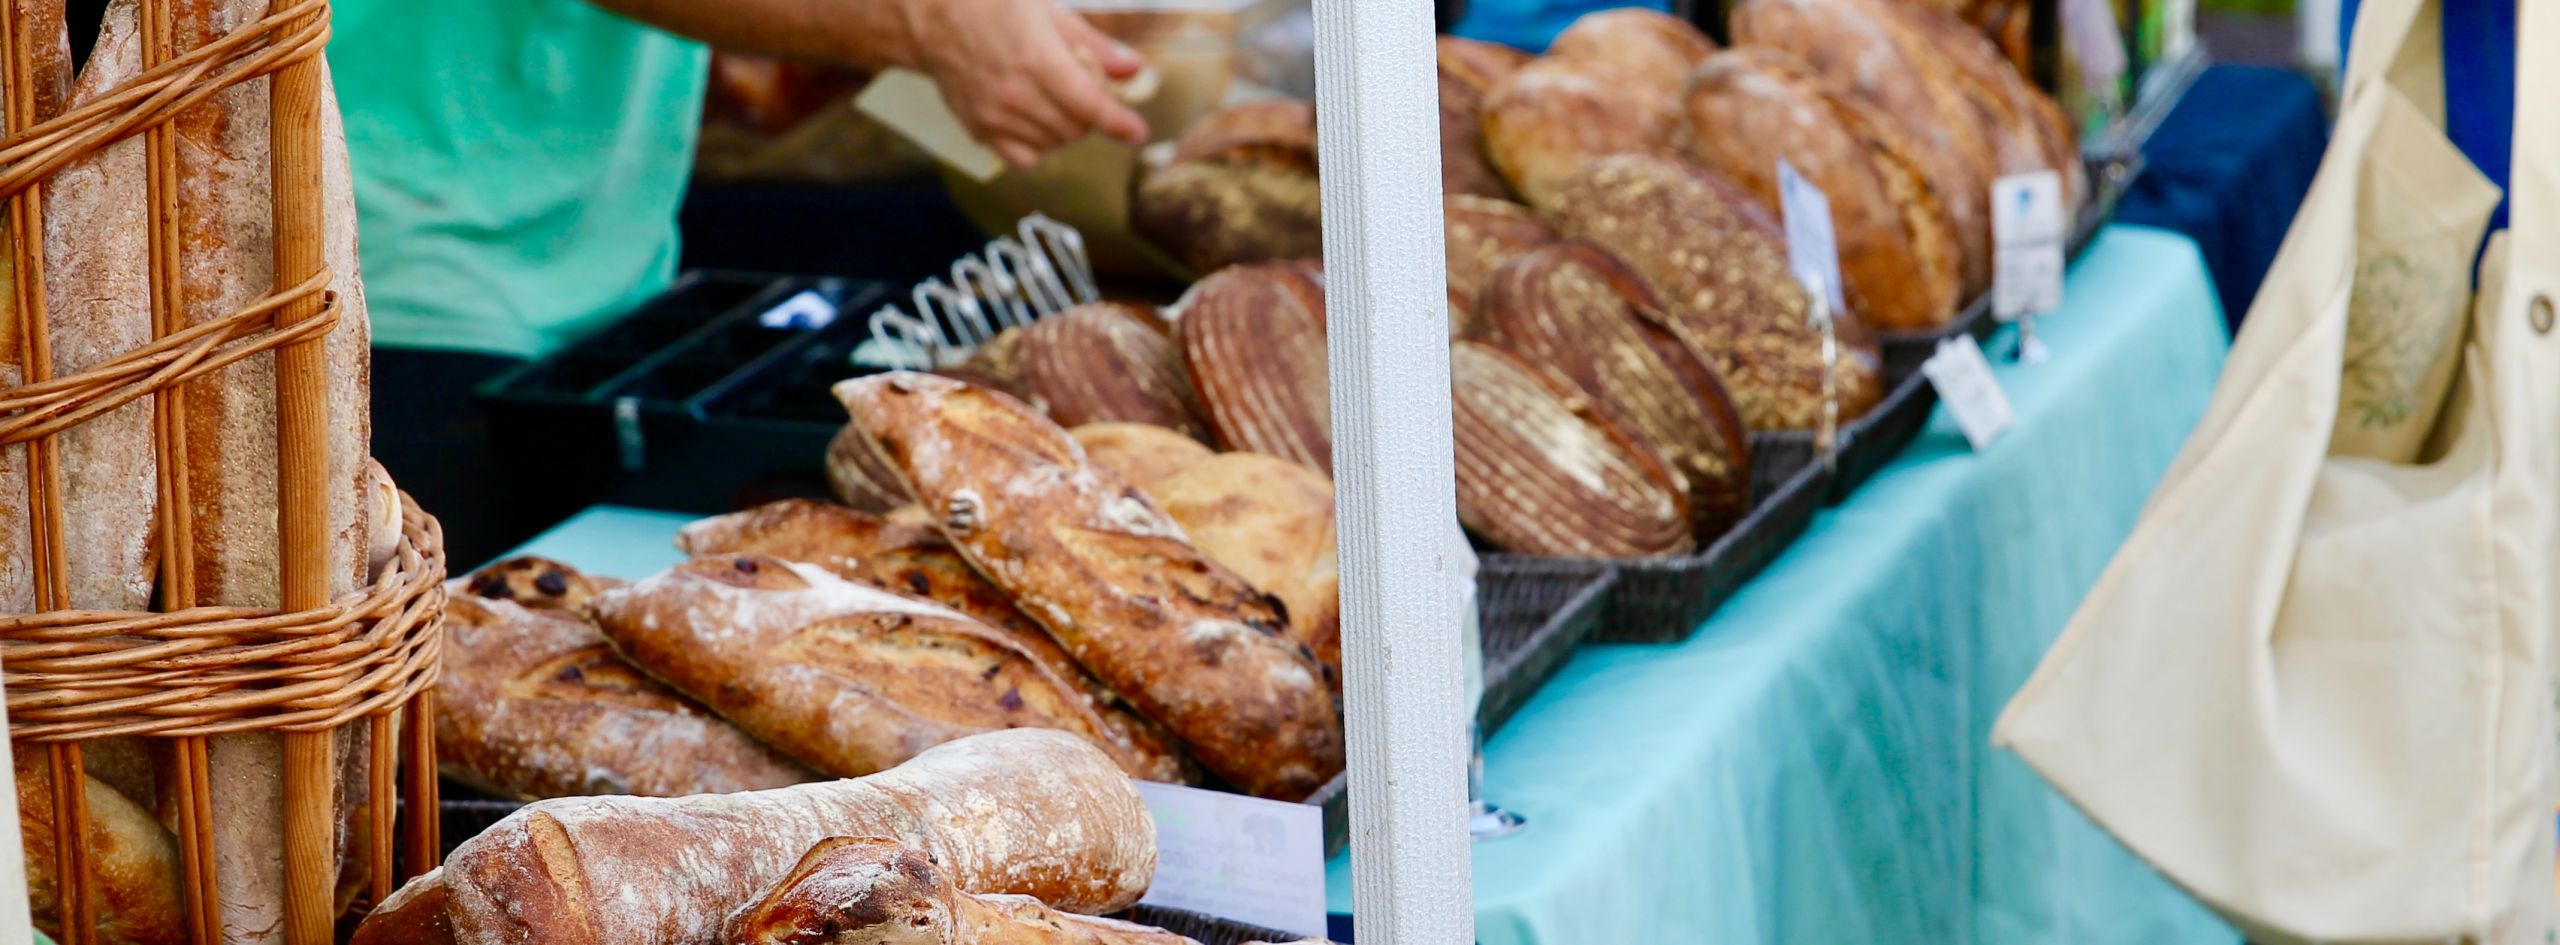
[1811,251]
[1255,861]
[806,311]
[2027,233]
[1964,381]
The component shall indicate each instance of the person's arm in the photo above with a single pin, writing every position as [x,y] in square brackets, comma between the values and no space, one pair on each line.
[1025,76]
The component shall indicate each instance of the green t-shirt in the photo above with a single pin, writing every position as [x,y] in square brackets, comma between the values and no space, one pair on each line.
[518,164]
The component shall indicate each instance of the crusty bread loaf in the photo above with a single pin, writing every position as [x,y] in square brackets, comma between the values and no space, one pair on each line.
[1653,46]
[541,584]
[1476,64]
[859,478]
[1238,187]
[414,914]
[1271,521]
[535,704]
[1899,254]
[1540,473]
[1278,130]
[49,67]
[1190,644]
[1717,257]
[2028,128]
[874,891]
[1024,811]
[1577,310]
[1464,168]
[849,679]
[1481,236]
[133,860]
[1142,454]
[1548,119]
[1253,337]
[1108,361]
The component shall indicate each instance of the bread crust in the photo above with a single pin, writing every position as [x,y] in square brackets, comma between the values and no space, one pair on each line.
[1253,338]
[1480,236]
[1109,362]
[1271,521]
[1547,120]
[1541,473]
[1141,453]
[1656,47]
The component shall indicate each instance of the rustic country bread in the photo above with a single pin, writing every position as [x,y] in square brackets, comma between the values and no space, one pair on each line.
[1476,64]
[853,890]
[414,914]
[49,62]
[1192,646]
[133,860]
[1270,521]
[1482,235]
[534,704]
[541,584]
[860,478]
[2030,132]
[1140,453]
[1107,361]
[1462,315]
[1253,338]
[1751,108]
[1024,811]
[1541,473]
[1277,130]
[1717,258]
[1654,46]
[1464,167]
[1867,53]
[996,363]
[1239,187]
[1548,119]
[1575,309]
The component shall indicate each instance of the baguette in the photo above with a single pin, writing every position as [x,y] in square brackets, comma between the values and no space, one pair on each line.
[859,478]
[1024,811]
[540,584]
[1192,646]
[535,704]
[133,860]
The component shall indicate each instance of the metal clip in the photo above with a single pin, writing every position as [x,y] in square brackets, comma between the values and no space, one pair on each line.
[1011,283]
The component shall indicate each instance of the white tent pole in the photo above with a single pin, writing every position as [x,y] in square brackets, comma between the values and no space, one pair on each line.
[16,927]
[1386,300]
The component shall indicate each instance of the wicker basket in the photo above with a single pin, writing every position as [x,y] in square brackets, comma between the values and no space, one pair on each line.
[316,668]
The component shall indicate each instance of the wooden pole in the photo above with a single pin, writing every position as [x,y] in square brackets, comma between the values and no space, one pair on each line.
[1386,300]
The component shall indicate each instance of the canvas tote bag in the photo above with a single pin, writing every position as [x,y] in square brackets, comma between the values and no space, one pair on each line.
[2315,687]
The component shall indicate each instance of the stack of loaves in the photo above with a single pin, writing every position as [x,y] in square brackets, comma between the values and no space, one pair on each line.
[1007,838]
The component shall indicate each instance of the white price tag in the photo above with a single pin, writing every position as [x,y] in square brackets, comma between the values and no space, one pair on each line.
[1964,381]
[1254,861]
[2027,232]
[806,311]
[1812,253]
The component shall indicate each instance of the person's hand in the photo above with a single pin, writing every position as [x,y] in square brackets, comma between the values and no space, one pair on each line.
[1024,76]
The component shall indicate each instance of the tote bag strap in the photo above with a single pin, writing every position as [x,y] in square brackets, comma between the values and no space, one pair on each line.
[2400,42]
[2534,186]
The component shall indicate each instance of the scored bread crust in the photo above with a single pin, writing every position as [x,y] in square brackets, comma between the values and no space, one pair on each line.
[849,890]
[1651,45]
[1271,521]
[1253,338]
[1106,361]
[1541,473]
[1480,236]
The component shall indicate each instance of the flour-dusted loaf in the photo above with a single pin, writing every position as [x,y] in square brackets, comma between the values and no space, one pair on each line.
[415,914]
[535,704]
[1579,311]
[847,678]
[1541,473]
[541,584]
[133,860]
[1717,258]
[1271,521]
[1548,119]
[1109,362]
[1476,64]
[1482,235]
[1900,254]
[1024,811]
[875,891]
[1189,643]
[1253,337]
[1650,45]
[1238,187]
[1142,454]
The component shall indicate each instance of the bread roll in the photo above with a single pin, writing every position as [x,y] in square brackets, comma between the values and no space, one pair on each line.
[1656,47]
[1577,310]
[1271,521]
[1107,361]
[541,584]
[859,478]
[1545,121]
[1718,259]
[1025,811]
[1142,454]
[1240,187]
[1253,338]
[1899,253]
[1484,234]
[1191,645]
[133,861]
[535,704]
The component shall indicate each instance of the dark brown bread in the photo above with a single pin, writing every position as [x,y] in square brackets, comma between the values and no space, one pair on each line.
[1281,131]
[1023,811]
[1577,310]
[1239,187]
[1481,236]
[1253,338]
[535,704]
[1107,361]
[1545,121]
[1192,646]
[1142,454]
[133,860]
[1750,108]
[1717,258]
[1653,46]
[1271,521]
[1540,473]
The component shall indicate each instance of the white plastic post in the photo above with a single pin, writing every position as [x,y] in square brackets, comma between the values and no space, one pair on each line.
[1386,301]
[16,926]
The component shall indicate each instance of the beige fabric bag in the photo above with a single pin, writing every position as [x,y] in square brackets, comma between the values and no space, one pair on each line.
[2315,687]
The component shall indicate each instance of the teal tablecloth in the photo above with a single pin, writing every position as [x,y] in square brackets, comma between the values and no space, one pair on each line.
[1812,766]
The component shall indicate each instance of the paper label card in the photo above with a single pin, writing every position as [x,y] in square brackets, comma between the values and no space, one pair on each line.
[1965,383]
[1812,253]
[2027,233]
[806,311]
[1252,860]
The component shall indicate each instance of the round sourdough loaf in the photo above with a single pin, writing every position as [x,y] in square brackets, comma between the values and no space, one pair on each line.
[1108,361]
[1464,168]
[1270,521]
[860,477]
[1142,453]
[1483,234]
[1238,187]
[1542,473]
[1751,108]
[2028,129]
[1656,47]
[1574,308]
[1253,338]
[1718,260]
[1477,65]
[1551,117]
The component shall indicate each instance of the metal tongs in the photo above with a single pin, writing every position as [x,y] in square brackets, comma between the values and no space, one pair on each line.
[1038,272]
